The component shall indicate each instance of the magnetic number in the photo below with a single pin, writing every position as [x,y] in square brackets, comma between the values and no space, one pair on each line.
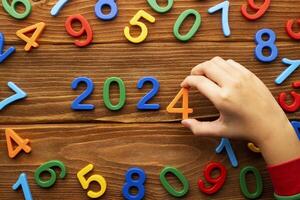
[23,182]
[76,105]
[296,126]
[260,10]
[154,5]
[11,9]
[225,144]
[31,42]
[167,185]
[113,9]
[131,182]
[142,104]
[85,183]
[263,44]
[293,107]
[294,64]
[58,6]
[185,110]
[85,29]
[182,17]
[243,184]
[217,183]
[289,29]
[106,92]
[11,135]
[224,6]
[46,167]
[253,148]
[8,52]
[135,22]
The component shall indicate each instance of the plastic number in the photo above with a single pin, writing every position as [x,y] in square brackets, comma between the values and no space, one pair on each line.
[167,185]
[296,103]
[289,29]
[11,9]
[253,148]
[262,44]
[85,29]
[58,6]
[224,6]
[11,135]
[76,105]
[217,183]
[225,143]
[243,184]
[46,167]
[294,64]
[85,183]
[137,183]
[142,103]
[113,9]
[31,42]
[182,17]
[19,94]
[106,92]
[154,5]
[260,10]
[5,54]
[296,126]
[23,182]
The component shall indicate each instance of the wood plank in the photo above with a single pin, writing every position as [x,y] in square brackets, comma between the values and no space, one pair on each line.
[113,150]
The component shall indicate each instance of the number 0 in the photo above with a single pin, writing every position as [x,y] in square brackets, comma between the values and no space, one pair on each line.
[106,92]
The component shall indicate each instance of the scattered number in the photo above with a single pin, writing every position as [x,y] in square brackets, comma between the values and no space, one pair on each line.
[217,183]
[135,22]
[225,143]
[11,135]
[293,107]
[253,148]
[11,9]
[260,10]
[269,44]
[23,182]
[85,29]
[289,29]
[31,42]
[243,184]
[5,54]
[185,110]
[167,185]
[76,105]
[294,64]
[85,183]
[224,6]
[296,126]
[113,9]
[182,17]
[58,6]
[142,104]
[106,92]
[154,5]
[19,94]
[46,167]
[137,183]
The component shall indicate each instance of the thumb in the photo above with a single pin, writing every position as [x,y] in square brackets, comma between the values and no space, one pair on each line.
[203,128]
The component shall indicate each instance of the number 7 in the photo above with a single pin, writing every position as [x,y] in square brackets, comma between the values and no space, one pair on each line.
[224,6]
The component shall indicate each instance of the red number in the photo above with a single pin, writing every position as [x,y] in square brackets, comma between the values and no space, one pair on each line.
[289,29]
[217,182]
[293,107]
[261,10]
[85,28]
[11,135]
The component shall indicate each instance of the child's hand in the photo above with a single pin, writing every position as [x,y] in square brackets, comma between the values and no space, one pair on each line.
[247,108]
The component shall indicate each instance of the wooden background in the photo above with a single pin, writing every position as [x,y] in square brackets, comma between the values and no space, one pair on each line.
[115,141]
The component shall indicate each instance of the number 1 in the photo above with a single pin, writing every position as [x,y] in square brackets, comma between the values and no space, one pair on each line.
[224,6]
[23,182]
[225,143]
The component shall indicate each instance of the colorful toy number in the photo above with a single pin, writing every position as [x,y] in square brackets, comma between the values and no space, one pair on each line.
[289,29]
[217,183]
[46,167]
[262,44]
[113,9]
[225,143]
[293,107]
[135,22]
[76,105]
[296,126]
[154,5]
[85,183]
[23,182]
[106,92]
[224,6]
[142,104]
[167,185]
[182,17]
[294,64]
[5,54]
[19,94]
[260,10]
[58,6]
[85,29]
[243,184]
[11,135]
[253,148]
[137,183]
[11,9]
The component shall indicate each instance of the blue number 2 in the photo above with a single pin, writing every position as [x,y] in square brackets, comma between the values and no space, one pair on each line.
[224,6]
[8,52]
[113,9]
[22,181]
[263,44]
[225,143]
[296,126]
[76,105]
[142,103]
[294,64]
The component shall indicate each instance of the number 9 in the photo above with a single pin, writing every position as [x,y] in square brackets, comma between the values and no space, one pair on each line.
[11,9]
[296,103]
[113,9]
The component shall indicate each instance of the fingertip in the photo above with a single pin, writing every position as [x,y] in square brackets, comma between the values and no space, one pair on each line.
[186,123]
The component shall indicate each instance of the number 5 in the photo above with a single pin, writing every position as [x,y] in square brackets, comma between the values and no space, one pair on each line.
[86,182]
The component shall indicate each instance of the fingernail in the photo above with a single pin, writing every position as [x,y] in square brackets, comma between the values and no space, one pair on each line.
[185,123]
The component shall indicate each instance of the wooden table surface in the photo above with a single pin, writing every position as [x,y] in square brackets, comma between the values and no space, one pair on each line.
[116,141]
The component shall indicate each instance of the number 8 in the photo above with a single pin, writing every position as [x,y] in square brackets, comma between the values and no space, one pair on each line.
[11,9]
[113,9]
[270,44]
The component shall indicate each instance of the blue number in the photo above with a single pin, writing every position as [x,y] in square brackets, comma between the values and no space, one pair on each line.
[8,52]
[224,6]
[137,183]
[296,125]
[76,105]
[142,103]
[58,6]
[113,9]
[294,64]
[225,143]
[22,181]
[262,44]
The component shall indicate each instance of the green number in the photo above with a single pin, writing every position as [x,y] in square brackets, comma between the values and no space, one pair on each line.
[243,184]
[11,9]
[106,92]
[159,9]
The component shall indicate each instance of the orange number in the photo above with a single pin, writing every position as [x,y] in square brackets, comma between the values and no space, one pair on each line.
[11,135]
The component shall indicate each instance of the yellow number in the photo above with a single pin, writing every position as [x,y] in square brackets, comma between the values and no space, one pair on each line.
[253,148]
